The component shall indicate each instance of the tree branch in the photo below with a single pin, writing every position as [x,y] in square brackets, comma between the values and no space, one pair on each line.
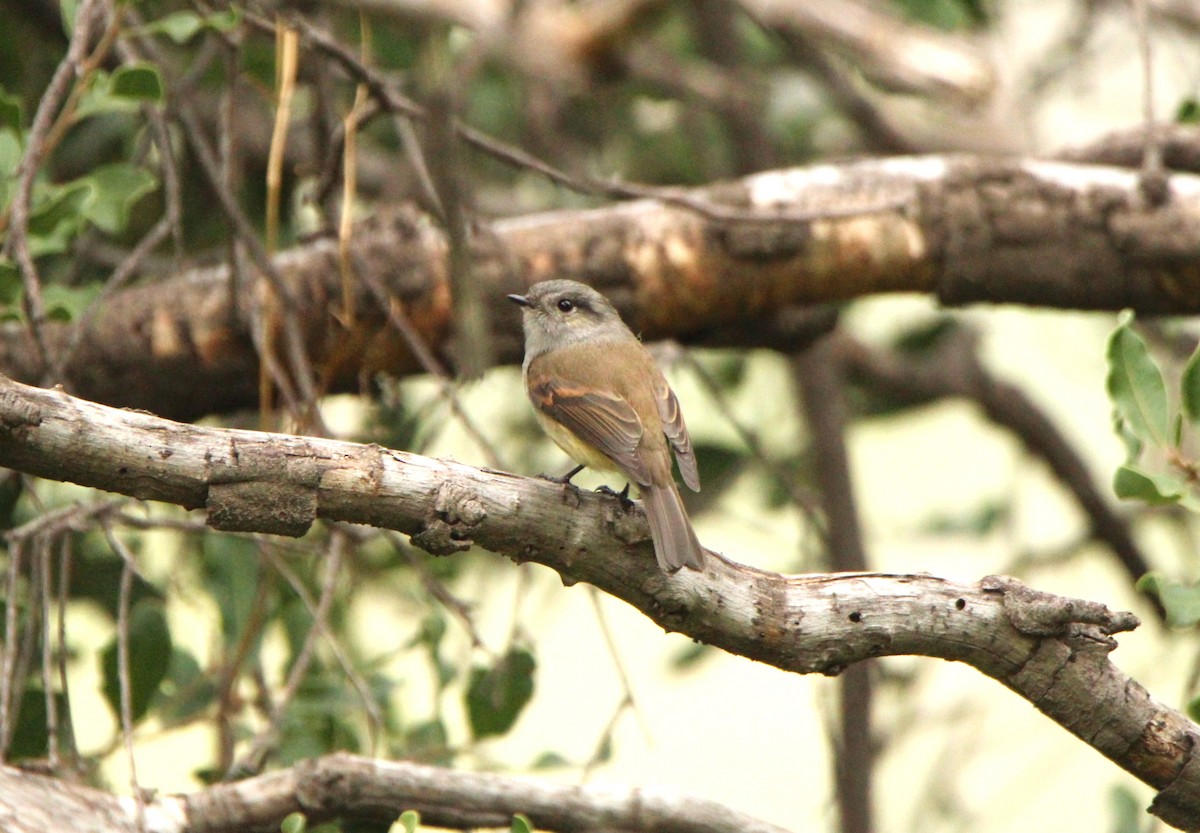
[352,787]
[965,230]
[1050,650]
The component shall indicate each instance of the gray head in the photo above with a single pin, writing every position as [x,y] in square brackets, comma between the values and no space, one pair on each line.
[558,313]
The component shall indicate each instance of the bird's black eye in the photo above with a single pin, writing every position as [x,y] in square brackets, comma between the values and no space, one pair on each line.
[566,305]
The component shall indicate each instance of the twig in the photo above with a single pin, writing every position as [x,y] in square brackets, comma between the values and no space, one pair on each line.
[395,102]
[438,590]
[819,377]
[350,179]
[44,562]
[429,361]
[286,51]
[805,501]
[244,230]
[375,720]
[125,685]
[8,666]
[628,700]
[36,148]
[1152,163]
[64,584]
[264,743]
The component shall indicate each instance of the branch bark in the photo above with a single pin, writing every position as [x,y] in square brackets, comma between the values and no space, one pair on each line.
[1050,650]
[352,787]
[965,230]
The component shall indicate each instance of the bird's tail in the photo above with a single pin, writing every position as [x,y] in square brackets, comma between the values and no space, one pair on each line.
[675,542]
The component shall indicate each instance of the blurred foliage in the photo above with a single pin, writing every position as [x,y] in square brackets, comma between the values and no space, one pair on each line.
[1160,428]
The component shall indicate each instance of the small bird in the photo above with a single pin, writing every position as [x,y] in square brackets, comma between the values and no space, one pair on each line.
[598,394]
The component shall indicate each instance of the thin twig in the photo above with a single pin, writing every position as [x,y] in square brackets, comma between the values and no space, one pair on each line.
[64,584]
[37,147]
[393,101]
[432,366]
[287,59]
[803,498]
[438,590]
[44,553]
[124,683]
[1152,163]
[8,666]
[628,700]
[301,367]
[350,179]
[374,715]
[264,743]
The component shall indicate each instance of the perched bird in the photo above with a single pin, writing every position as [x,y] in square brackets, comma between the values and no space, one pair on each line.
[598,394]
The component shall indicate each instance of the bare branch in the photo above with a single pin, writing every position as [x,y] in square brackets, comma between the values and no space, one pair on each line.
[968,230]
[1051,650]
[353,787]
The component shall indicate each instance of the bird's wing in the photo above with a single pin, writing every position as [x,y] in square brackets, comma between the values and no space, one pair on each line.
[601,419]
[676,430]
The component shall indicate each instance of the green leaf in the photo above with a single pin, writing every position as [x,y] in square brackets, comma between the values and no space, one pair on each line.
[496,695]
[141,83]
[187,689]
[12,115]
[691,655]
[1130,483]
[11,150]
[406,823]
[67,303]
[1126,810]
[57,216]
[1189,385]
[1188,111]
[182,26]
[29,736]
[10,282]
[430,635]
[149,658]
[1181,601]
[230,570]
[521,824]
[428,741]
[1135,384]
[294,823]
[550,760]
[127,89]
[116,188]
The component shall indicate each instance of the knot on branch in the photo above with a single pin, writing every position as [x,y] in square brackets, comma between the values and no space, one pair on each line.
[17,412]
[1035,613]
[449,527]
[263,489]
[326,784]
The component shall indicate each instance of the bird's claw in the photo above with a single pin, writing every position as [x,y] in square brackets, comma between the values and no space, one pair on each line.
[622,495]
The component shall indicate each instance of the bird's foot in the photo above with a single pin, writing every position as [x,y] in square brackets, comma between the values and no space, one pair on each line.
[562,480]
[622,496]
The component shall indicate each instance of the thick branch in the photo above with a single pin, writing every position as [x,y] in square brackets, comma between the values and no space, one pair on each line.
[1052,651]
[964,230]
[351,787]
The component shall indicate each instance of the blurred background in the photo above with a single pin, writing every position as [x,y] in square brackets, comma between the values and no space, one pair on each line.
[472,661]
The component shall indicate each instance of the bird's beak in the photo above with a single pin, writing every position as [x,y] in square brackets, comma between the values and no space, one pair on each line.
[520,300]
